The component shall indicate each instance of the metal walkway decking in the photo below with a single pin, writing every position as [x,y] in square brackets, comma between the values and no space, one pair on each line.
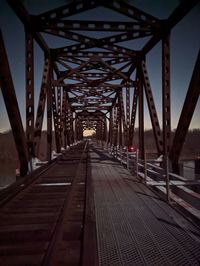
[134,226]
[86,204]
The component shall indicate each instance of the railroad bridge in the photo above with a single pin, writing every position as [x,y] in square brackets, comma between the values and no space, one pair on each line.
[98,202]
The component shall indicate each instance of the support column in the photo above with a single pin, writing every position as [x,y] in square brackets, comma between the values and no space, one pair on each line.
[133,115]
[120,121]
[10,99]
[41,106]
[55,118]
[141,114]
[123,119]
[115,125]
[127,113]
[186,115]
[59,114]
[166,95]
[152,109]
[110,128]
[49,121]
[65,117]
[29,71]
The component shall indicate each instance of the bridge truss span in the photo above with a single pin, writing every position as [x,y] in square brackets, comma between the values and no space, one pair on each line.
[95,82]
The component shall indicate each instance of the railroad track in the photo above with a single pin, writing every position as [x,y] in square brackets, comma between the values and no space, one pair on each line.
[42,223]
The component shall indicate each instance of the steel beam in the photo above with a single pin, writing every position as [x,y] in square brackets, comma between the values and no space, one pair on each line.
[88,25]
[183,8]
[86,42]
[132,12]
[128,111]
[120,121]
[124,125]
[64,118]
[133,115]
[41,105]
[55,119]
[152,109]
[166,110]
[49,120]
[64,11]
[23,15]
[29,56]
[59,113]
[10,99]
[186,115]
[141,114]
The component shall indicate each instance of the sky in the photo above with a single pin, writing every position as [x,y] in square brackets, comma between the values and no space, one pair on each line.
[185,43]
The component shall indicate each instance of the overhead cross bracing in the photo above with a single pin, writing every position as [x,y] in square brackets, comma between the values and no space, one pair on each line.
[95,72]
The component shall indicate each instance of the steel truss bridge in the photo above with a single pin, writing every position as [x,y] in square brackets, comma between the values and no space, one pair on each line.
[83,88]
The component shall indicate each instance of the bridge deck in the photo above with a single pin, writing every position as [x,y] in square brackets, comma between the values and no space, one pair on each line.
[41,224]
[46,221]
[134,226]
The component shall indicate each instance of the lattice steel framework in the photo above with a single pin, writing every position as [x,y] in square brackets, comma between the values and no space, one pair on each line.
[89,85]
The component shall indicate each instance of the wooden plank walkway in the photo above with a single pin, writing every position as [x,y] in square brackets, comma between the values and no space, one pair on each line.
[42,224]
[134,226]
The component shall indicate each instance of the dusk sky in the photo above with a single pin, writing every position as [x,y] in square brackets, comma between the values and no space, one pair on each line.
[185,43]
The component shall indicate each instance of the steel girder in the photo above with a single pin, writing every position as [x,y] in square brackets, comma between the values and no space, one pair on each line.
[29,55]
[41,104]
[10,99]
[98,79]
[141,113]
[186,115]
[152,108]
[166,95]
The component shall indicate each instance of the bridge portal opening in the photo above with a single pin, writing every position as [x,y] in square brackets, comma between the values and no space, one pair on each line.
[88,133]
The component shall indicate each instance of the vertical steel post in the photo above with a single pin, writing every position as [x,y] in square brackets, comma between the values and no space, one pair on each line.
[115,126]
[166,95]
[64,122]
[68,125]
[12,108]
[167,178]
[59,114]
[128,112]
[152,109]
[137,159]
[110,129]
[123,119]
[71,126]
[49,119]
[145,167]
[133,115]
[29,57]
[127,158]
[41,106]
[186,115]
[55,119]
[120,122]
[141,114]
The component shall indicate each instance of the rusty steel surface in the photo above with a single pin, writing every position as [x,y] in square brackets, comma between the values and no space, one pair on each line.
[100,75]
[41,104]
[186,114]
[10,99]
[152,108]
[29,94]
[43,224]
[94,83]
[166,95]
